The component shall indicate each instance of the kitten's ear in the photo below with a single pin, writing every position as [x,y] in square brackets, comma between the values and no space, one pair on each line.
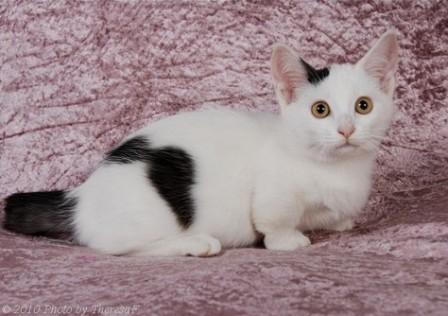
[381,61]
[288,74]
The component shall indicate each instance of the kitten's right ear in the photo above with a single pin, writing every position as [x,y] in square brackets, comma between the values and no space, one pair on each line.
[288,74]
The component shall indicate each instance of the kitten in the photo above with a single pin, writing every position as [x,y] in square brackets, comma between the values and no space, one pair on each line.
[195,182]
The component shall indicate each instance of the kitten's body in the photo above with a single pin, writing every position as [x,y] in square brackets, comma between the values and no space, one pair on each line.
[195,182]
[224,177]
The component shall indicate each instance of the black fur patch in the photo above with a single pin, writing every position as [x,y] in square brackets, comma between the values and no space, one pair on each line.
[315,76]
[39,212]
[170,170]
[135,149]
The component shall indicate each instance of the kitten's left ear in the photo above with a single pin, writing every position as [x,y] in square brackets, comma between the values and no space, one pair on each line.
[381,61]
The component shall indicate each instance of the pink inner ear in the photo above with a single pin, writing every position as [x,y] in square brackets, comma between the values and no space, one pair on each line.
[382,60]
[287,73]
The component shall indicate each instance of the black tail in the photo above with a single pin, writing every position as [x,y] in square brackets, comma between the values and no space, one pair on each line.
[39,212]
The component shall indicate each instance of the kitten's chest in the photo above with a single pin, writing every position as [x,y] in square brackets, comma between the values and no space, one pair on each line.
[341,191]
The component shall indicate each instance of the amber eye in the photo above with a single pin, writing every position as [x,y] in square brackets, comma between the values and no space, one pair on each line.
[320,109]
[364,105]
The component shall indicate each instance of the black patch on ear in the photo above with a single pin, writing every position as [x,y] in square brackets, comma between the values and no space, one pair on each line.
[39,213]
[169,169]
[135,149]
[315,76]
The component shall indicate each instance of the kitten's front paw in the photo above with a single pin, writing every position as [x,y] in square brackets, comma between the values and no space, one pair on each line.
[286,240]
[343,225]
[202,245]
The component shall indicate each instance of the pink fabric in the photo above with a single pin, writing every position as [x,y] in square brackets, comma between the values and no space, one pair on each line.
[77,77]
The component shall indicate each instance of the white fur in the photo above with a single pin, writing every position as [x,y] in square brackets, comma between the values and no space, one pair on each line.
[257,174]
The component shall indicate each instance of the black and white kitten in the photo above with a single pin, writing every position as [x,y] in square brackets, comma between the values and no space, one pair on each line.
[195,182]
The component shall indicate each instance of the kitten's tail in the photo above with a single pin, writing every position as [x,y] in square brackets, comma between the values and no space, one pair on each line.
[40,212]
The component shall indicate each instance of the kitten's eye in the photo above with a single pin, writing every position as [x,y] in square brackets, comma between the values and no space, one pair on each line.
[364,105]
[320,109]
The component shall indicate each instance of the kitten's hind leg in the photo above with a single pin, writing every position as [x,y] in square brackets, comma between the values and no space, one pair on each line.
[197,245]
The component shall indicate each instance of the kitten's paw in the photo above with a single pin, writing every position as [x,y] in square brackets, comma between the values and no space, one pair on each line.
[286,240]
[202,246]
[343,225]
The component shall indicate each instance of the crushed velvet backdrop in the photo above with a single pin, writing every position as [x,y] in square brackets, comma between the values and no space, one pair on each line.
[76,77]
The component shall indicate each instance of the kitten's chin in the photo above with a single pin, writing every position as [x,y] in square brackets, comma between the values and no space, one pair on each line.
[346,151]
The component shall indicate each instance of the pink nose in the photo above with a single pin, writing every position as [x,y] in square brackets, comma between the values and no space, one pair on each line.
[346,132]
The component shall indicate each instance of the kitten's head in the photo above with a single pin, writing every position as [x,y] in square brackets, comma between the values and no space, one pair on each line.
[341,111]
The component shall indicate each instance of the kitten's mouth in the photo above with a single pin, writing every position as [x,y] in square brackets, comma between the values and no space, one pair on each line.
[347,146]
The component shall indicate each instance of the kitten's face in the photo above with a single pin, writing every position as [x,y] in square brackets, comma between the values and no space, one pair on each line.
[344,114]
[338,112]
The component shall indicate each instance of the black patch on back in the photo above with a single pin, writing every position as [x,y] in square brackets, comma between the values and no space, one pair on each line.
[170,170]
[315,76]
[39,213]
[135,149]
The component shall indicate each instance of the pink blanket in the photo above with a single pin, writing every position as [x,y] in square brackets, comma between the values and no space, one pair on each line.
[77,77]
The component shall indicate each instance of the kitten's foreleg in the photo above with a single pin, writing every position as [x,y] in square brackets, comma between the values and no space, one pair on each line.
[342,225]
[288,239]
[277,218]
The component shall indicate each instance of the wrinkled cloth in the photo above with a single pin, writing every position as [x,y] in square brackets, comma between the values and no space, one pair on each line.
[76,77]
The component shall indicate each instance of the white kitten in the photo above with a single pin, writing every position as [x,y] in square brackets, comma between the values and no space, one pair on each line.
[195,182]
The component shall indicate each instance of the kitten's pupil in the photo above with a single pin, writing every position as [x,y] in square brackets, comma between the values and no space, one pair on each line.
[363,105]
[320,108]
